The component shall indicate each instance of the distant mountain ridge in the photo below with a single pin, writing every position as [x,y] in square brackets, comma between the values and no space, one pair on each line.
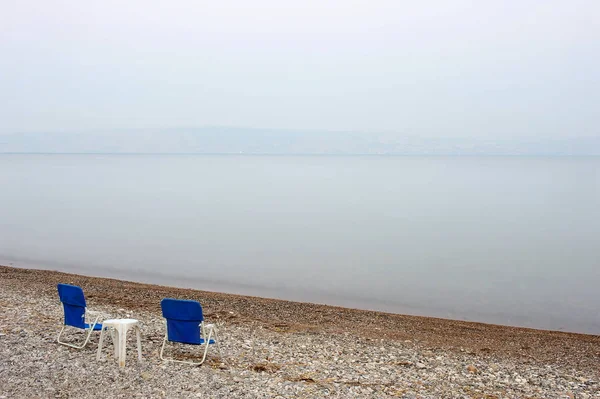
[232,140]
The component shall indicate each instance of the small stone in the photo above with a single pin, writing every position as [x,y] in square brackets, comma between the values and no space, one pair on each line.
[472,369]
[420,366]
[146,376]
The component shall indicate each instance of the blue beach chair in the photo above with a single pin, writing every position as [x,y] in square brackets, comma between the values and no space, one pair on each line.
[73,302]
[184,324]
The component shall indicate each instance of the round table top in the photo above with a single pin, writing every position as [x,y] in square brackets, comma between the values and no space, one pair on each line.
[119,321]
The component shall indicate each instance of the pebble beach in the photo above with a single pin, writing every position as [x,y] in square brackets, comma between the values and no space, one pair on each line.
[278,349]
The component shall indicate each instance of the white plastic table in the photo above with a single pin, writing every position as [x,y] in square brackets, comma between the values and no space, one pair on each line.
[120,327]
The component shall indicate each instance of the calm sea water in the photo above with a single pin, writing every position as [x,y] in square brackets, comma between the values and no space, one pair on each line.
[503,240]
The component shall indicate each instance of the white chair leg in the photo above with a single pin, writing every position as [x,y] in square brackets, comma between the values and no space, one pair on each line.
[91,330]
[217,342]
[206,345]
[178,361]
[204,354]
[67,343]
[60,332]
[87,338]
[162,349]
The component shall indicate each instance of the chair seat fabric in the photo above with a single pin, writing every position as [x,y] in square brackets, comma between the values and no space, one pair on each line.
[97,326]
[183,321]
[199,342]
[73,302]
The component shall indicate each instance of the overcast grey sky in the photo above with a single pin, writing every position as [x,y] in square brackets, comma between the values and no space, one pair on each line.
[484,69]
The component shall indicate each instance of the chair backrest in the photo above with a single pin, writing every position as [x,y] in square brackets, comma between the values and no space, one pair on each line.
[183,320]
[73,302]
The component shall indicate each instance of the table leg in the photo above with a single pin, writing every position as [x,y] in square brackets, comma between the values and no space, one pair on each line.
[122,345]
[100,344]
[139,342]
[115,337]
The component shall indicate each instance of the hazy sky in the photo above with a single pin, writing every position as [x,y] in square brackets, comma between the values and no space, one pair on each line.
[486,69]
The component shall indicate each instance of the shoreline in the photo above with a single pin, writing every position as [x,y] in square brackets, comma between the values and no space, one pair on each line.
[278,348]
[447,333]
[296,296]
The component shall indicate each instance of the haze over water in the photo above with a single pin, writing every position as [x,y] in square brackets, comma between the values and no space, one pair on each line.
[509,240]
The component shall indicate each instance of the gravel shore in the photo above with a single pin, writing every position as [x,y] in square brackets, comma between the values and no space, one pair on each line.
[280,349]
